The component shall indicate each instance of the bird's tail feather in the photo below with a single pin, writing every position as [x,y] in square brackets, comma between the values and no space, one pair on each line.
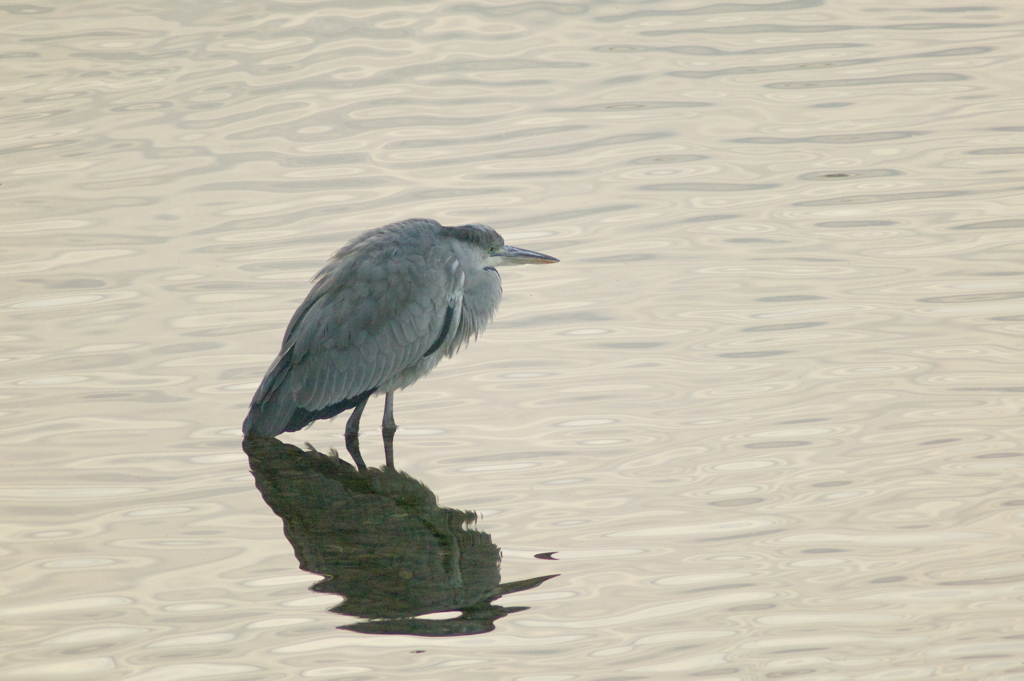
[268,412]
[274,411]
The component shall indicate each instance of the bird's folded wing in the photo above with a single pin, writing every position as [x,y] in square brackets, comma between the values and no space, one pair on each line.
[363,323]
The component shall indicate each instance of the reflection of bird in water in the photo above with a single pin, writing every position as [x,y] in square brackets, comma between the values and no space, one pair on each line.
[383,542]
[381,314]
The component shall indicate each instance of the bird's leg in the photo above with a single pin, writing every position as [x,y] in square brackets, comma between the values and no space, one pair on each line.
[388,428]
[352,435]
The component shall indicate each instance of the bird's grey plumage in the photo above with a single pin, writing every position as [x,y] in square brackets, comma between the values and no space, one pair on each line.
[381,314]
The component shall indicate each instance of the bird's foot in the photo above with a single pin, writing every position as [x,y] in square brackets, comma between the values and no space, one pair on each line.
[389,446]
[352,445]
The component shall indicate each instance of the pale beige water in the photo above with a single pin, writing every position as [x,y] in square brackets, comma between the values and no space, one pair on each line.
[767,409]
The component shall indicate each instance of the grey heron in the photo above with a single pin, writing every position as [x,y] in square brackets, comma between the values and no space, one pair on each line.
[380,315]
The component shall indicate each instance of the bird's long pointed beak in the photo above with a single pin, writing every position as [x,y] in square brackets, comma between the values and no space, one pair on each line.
[510,255]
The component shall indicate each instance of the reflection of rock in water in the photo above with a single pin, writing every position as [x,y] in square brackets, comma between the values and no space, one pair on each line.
[381,540]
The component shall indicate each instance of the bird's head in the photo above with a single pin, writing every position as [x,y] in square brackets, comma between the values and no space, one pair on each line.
[496,251]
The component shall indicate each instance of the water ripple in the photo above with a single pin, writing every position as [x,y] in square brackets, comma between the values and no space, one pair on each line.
[762,415]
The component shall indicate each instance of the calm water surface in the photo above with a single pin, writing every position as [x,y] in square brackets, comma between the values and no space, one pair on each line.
[763,420]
